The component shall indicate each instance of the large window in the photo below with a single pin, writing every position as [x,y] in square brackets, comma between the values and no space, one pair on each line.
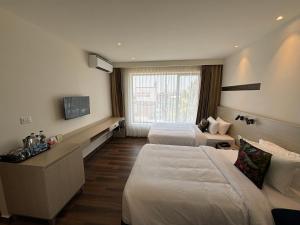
[162,96]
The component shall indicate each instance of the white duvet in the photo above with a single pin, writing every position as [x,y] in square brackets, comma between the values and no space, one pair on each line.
[181,185]
[176,134]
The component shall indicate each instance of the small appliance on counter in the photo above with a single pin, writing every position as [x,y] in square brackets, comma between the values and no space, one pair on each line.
[32,146]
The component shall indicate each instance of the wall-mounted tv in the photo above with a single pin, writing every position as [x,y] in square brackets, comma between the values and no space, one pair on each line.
[76,106]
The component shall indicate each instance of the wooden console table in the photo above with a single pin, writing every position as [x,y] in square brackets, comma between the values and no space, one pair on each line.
[41,186]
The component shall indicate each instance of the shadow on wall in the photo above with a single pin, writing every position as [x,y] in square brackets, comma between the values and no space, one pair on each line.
[57,104]
[85,56]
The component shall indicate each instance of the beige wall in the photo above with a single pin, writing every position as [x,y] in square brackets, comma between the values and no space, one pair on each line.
[36,70]
[275,62]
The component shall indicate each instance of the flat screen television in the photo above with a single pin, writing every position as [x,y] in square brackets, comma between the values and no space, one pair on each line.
[76,106]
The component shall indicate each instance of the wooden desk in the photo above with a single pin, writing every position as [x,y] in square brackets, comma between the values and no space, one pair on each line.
[76,139]
[41,186]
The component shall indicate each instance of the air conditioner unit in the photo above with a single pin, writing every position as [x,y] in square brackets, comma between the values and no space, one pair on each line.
[96,61]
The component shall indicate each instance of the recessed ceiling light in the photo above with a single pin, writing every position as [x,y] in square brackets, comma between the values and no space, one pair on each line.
[132,58]
[236,46]
[119,43]
[279,18]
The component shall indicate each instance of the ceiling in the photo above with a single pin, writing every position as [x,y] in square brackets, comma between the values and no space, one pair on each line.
[153,30]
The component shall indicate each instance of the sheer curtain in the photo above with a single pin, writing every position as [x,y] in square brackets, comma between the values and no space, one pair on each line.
[168,94]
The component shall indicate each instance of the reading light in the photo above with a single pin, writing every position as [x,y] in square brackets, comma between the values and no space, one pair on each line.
[132,58]
[279,18]
[236,46]
[246,119]
[119,43]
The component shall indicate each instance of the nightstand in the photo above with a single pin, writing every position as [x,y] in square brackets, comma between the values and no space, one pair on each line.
[286,216]
[232,147]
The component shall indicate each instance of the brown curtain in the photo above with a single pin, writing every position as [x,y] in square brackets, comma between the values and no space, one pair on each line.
[210,91]
[117,93]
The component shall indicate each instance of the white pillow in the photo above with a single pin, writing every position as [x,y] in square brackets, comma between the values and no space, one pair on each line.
[223,126]
[284,171]
[213,126]
[284,175]
[277,150]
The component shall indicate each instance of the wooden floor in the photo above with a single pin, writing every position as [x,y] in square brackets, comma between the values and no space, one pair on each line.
[101,200]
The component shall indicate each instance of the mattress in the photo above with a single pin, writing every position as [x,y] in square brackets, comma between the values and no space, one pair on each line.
[183,185]
[176,134]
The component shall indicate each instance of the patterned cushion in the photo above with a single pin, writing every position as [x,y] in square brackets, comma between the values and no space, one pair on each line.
[253,162]
[203,125]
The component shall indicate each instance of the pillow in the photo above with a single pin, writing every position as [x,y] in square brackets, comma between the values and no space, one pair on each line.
[275,149]
[253,143]
[284,172]
[213,126]
[284,175]
[223,126]
[253,162]
[203,125]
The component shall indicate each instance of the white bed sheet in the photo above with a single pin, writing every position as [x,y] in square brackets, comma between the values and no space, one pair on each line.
[181,185]
[176,134]
[275,198]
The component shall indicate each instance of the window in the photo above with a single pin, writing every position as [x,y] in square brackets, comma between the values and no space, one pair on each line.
[162,96]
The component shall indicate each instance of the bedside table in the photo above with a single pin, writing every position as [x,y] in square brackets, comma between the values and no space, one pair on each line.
[233,147]
[286,216]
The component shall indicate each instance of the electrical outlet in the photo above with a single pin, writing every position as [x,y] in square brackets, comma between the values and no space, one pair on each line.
[25,120]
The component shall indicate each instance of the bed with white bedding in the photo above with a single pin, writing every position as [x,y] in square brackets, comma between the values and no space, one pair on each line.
[183,185]
[176,134]
[275,198]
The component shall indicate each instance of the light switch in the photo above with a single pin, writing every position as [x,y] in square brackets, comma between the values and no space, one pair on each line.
[25,120]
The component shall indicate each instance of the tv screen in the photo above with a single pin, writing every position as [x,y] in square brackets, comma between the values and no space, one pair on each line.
[76,106]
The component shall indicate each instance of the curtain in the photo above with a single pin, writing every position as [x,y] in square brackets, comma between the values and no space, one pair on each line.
[117,93]
[160,95]
[211,81]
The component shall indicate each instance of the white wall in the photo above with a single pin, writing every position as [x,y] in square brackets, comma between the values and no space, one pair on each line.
[170,63]
[36,70]
[275,62]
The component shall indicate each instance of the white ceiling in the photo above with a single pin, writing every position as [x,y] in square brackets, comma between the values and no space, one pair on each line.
[156,29]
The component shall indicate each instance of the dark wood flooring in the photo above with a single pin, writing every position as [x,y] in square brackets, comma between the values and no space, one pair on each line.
[100,202]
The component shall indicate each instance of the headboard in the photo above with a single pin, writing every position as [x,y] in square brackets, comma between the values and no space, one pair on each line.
[285,134]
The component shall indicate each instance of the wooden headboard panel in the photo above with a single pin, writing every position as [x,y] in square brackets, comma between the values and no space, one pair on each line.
[284,134]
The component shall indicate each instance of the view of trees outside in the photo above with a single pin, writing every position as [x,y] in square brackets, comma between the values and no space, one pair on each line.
[165,98]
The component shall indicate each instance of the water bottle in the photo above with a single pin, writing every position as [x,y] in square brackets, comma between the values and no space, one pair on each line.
[42,137]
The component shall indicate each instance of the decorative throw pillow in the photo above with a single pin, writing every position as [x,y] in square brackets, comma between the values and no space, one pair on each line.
[253,162]
[223,126]
[213,126]
[203,125]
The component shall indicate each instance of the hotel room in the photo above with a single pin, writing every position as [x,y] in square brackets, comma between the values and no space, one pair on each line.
[150,112]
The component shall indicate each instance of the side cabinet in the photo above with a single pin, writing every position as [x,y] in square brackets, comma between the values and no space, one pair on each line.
[41,192]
